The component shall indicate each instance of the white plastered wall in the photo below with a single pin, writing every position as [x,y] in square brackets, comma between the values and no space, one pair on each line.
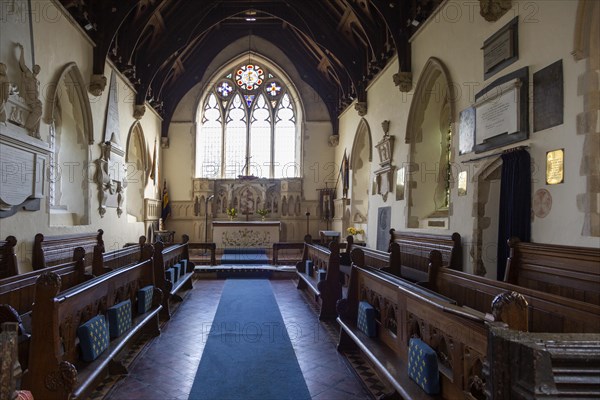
[56,43]
[455,36]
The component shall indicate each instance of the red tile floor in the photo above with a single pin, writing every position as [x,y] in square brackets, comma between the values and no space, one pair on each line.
[166,367]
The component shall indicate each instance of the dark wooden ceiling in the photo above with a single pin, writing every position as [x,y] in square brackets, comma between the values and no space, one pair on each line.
[164,46]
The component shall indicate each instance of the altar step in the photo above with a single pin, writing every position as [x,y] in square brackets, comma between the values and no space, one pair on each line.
[244,256]
[244,271]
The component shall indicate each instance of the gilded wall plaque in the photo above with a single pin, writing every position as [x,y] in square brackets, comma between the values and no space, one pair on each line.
[555,167]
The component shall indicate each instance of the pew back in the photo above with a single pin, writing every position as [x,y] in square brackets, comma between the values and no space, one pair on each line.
[55,352]
[54,250]
[546,312]
[414,247]
[107,261]
[566,271]
[402,313]
[8,258]
[18,291]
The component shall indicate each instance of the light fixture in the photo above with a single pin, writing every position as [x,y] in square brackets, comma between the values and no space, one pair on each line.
[250,15]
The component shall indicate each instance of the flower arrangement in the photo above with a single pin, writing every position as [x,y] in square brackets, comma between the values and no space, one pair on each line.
[232,212]
[263,212]
[355,231]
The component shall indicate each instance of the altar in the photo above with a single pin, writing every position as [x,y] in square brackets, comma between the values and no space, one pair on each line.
[245,233]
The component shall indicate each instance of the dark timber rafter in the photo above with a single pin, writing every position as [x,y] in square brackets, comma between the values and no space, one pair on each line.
[165,46]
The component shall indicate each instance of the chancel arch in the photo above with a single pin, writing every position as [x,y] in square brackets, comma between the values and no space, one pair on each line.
[429,136]
[360,167]
[71,133]
[136,162]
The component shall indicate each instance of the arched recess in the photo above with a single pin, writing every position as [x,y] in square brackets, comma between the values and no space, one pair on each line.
[360,167]
[429,134]
[71,134]
[136,159]
[587,47]
[486,207]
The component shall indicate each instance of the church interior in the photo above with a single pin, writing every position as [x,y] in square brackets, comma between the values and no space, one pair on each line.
[324,199]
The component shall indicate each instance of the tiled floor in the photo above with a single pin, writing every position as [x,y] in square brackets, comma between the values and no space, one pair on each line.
[167,366]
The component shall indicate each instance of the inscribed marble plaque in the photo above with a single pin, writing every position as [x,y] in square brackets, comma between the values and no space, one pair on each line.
[497,113]
[384,222]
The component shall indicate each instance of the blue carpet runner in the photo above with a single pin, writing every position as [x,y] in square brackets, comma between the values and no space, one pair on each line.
[247,256]
[248,354]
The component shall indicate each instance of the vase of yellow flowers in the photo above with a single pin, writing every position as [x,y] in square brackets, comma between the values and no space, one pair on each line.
[232,212]
[358,232]
[263,213]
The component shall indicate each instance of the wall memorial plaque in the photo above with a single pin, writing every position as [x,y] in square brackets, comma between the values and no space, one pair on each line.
[555,167]
[502,112]
[548,103]
[501,49]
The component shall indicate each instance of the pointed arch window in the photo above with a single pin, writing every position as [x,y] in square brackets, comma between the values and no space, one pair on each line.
[248,126]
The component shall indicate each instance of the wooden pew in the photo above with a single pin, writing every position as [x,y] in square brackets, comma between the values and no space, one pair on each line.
[417,268]
[165,258]
[328,291]
[8,258]
[17,296]
[404,311]
[105,262]
[566,271]
[420,244]
[551,366]
[477,353]
[546,312]
[55,369]
[54,250]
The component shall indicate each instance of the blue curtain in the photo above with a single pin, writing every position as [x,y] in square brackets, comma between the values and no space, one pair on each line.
[515,203]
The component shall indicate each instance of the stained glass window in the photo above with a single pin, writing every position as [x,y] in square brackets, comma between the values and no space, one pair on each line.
[247,127]
[249,77]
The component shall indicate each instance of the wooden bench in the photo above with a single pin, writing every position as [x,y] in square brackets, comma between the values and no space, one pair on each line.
[471,350]
[566,271]
[8,258]
[54,250]
[404,310]
[329,290]
[165,258]
[420,268]
[103,262]
[17,297]
[420,244]
[55,369]
[546,312]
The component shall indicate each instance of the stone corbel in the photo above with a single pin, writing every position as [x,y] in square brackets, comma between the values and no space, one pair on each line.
[97,84]
[164,142]
[404,81]
[361,102]
[334,140]
[138,111]
[493,10]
